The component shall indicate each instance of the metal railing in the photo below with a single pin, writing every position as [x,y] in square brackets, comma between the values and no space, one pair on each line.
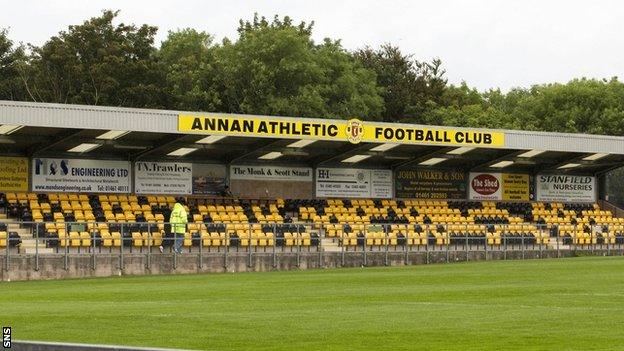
[221,240]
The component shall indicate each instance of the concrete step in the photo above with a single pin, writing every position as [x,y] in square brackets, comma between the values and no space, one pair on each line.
[30,245]
[330,245]
[24,233]
[41,250]
[15,226]
[29,241]
[557,243]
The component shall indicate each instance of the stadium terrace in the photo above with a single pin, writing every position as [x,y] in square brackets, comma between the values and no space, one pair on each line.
[267,192]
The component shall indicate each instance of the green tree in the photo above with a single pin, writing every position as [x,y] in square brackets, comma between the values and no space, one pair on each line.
[410,87]
[615,186]
[275,68]
[11,58]
[580,106]
[466,107]
[188,60]
[98,63]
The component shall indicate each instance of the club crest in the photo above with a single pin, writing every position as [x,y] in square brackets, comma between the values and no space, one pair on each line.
[355,131]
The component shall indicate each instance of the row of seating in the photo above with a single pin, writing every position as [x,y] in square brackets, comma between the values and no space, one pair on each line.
[117,208]
[141,240]
[334,218]
[56,209]
[560,214]
[108,239]
[441,239]
[410,211]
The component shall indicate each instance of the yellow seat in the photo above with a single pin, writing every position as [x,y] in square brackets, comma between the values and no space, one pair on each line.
[188,241]
[116,236]
[305,239]
[137,239]
[106,238]
[218,239]
[74,239]
[205,238]
[85,239]
[262,239]
[157,238]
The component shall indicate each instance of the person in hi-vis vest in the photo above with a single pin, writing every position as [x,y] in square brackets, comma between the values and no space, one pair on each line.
[178,222]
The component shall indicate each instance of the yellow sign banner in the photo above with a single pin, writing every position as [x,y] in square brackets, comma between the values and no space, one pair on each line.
[354,131]
[13,174]
[515,186]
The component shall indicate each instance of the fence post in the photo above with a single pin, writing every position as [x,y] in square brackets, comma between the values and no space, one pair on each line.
[557,241]
[274,244]
[541,245]
[505,245]
[249,247]
[446,242]
[226,250]
[6,253]
[342,246]
[173,246]
[37,246]
[522,242]
[575,240]
[608,240]
[485,243]
[121,247]
[298,241]
[201,247]
[66,264]
[386,239]
[150,238]
[364,246]
[467,243]
[406,246]
[92,235]
[427,245]
[319,247]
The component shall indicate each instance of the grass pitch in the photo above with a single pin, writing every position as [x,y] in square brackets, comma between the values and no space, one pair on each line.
[572,304]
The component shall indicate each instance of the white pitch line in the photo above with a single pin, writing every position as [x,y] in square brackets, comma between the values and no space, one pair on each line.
[96,346]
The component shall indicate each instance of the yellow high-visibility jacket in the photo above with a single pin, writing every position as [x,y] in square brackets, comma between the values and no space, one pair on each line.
[178,219]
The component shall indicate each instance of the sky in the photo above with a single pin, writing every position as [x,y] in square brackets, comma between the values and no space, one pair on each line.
[486,43]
